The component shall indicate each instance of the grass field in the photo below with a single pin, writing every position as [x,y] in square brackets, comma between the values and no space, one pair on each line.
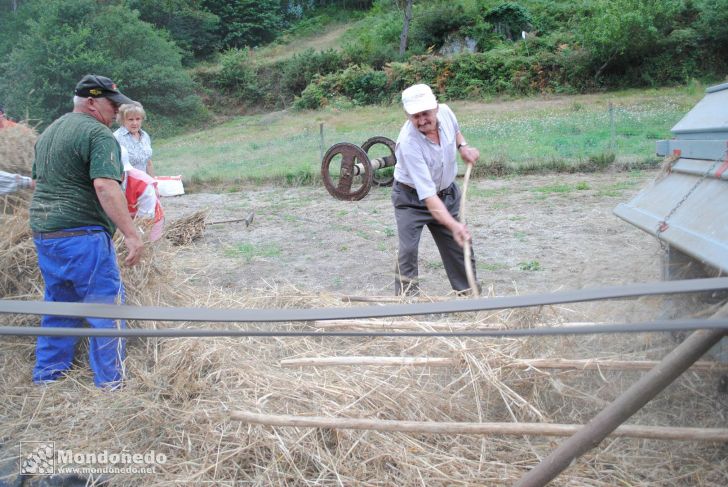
[523,135]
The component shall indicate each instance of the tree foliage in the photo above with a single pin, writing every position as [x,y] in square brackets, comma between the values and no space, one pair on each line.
[712,21]
[573,46]
[190,25]
[67,39]
[509,19]
[246,22]
[434,22]
[626,27]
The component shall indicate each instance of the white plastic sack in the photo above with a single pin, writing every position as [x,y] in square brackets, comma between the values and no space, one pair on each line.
[170,185]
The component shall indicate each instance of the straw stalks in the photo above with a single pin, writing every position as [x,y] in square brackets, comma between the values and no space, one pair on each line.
[180,394]
[187,229]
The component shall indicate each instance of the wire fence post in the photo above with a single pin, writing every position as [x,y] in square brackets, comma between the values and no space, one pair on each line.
[321,140]
[611,128]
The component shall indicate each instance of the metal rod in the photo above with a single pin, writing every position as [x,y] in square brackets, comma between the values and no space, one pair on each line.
[616,413]
[376,164]
[274,332]
[248,220]
[158,313]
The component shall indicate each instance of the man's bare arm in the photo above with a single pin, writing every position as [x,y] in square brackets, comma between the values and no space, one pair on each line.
[114,204]
[439,212]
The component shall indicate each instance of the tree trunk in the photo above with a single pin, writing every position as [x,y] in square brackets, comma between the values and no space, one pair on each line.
[405,27]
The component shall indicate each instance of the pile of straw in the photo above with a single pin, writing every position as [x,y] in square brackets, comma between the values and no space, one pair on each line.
[19,275]
[186,229]
[16,156]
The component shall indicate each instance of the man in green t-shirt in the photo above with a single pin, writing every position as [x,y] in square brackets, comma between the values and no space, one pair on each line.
[77,206]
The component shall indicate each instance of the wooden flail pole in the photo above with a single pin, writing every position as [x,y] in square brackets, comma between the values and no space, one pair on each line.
[719,435]
[616,413]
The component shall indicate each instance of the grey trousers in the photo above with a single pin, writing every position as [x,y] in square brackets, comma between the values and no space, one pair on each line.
[411,215]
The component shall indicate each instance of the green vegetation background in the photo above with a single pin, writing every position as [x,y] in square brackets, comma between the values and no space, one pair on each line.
[222,64]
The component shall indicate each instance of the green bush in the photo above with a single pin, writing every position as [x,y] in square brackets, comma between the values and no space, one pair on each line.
[237,77]
[299,71]
[360,84]
[712,23]
[193,29]
[621,34]
[432,23]
[509,19]
[375,39]
[363,85]
[483,34]
[312,98]
[246,23]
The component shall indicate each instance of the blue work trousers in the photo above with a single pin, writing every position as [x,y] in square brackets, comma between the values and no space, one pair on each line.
[80,269]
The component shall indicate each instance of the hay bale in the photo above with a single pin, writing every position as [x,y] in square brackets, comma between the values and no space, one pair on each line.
[17,149]
[16,156]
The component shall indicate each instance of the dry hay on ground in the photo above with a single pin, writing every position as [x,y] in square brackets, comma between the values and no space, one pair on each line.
[19,274]
[180,393]
[151,282]
[186,229]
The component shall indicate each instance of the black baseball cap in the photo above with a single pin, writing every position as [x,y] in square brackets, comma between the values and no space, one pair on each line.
[95,86]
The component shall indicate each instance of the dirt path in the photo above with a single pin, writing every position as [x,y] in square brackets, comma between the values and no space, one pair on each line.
[531,234]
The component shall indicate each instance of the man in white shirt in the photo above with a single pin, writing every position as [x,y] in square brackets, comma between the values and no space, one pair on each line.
[424,192]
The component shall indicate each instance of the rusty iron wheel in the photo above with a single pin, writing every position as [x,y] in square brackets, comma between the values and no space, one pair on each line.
[383,177]
[342,182]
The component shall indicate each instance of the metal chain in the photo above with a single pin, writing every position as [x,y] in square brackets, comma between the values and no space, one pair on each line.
[663,225]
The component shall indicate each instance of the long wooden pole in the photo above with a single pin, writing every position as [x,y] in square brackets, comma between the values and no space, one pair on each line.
[548,363]
[452,428]
[394,299]
[616,413]
[607,364]
[400,361]
[469,272]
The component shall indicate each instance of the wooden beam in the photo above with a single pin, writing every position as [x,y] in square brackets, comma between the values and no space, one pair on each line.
[348,360]
[453,428]
[547,363]
[394,299]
